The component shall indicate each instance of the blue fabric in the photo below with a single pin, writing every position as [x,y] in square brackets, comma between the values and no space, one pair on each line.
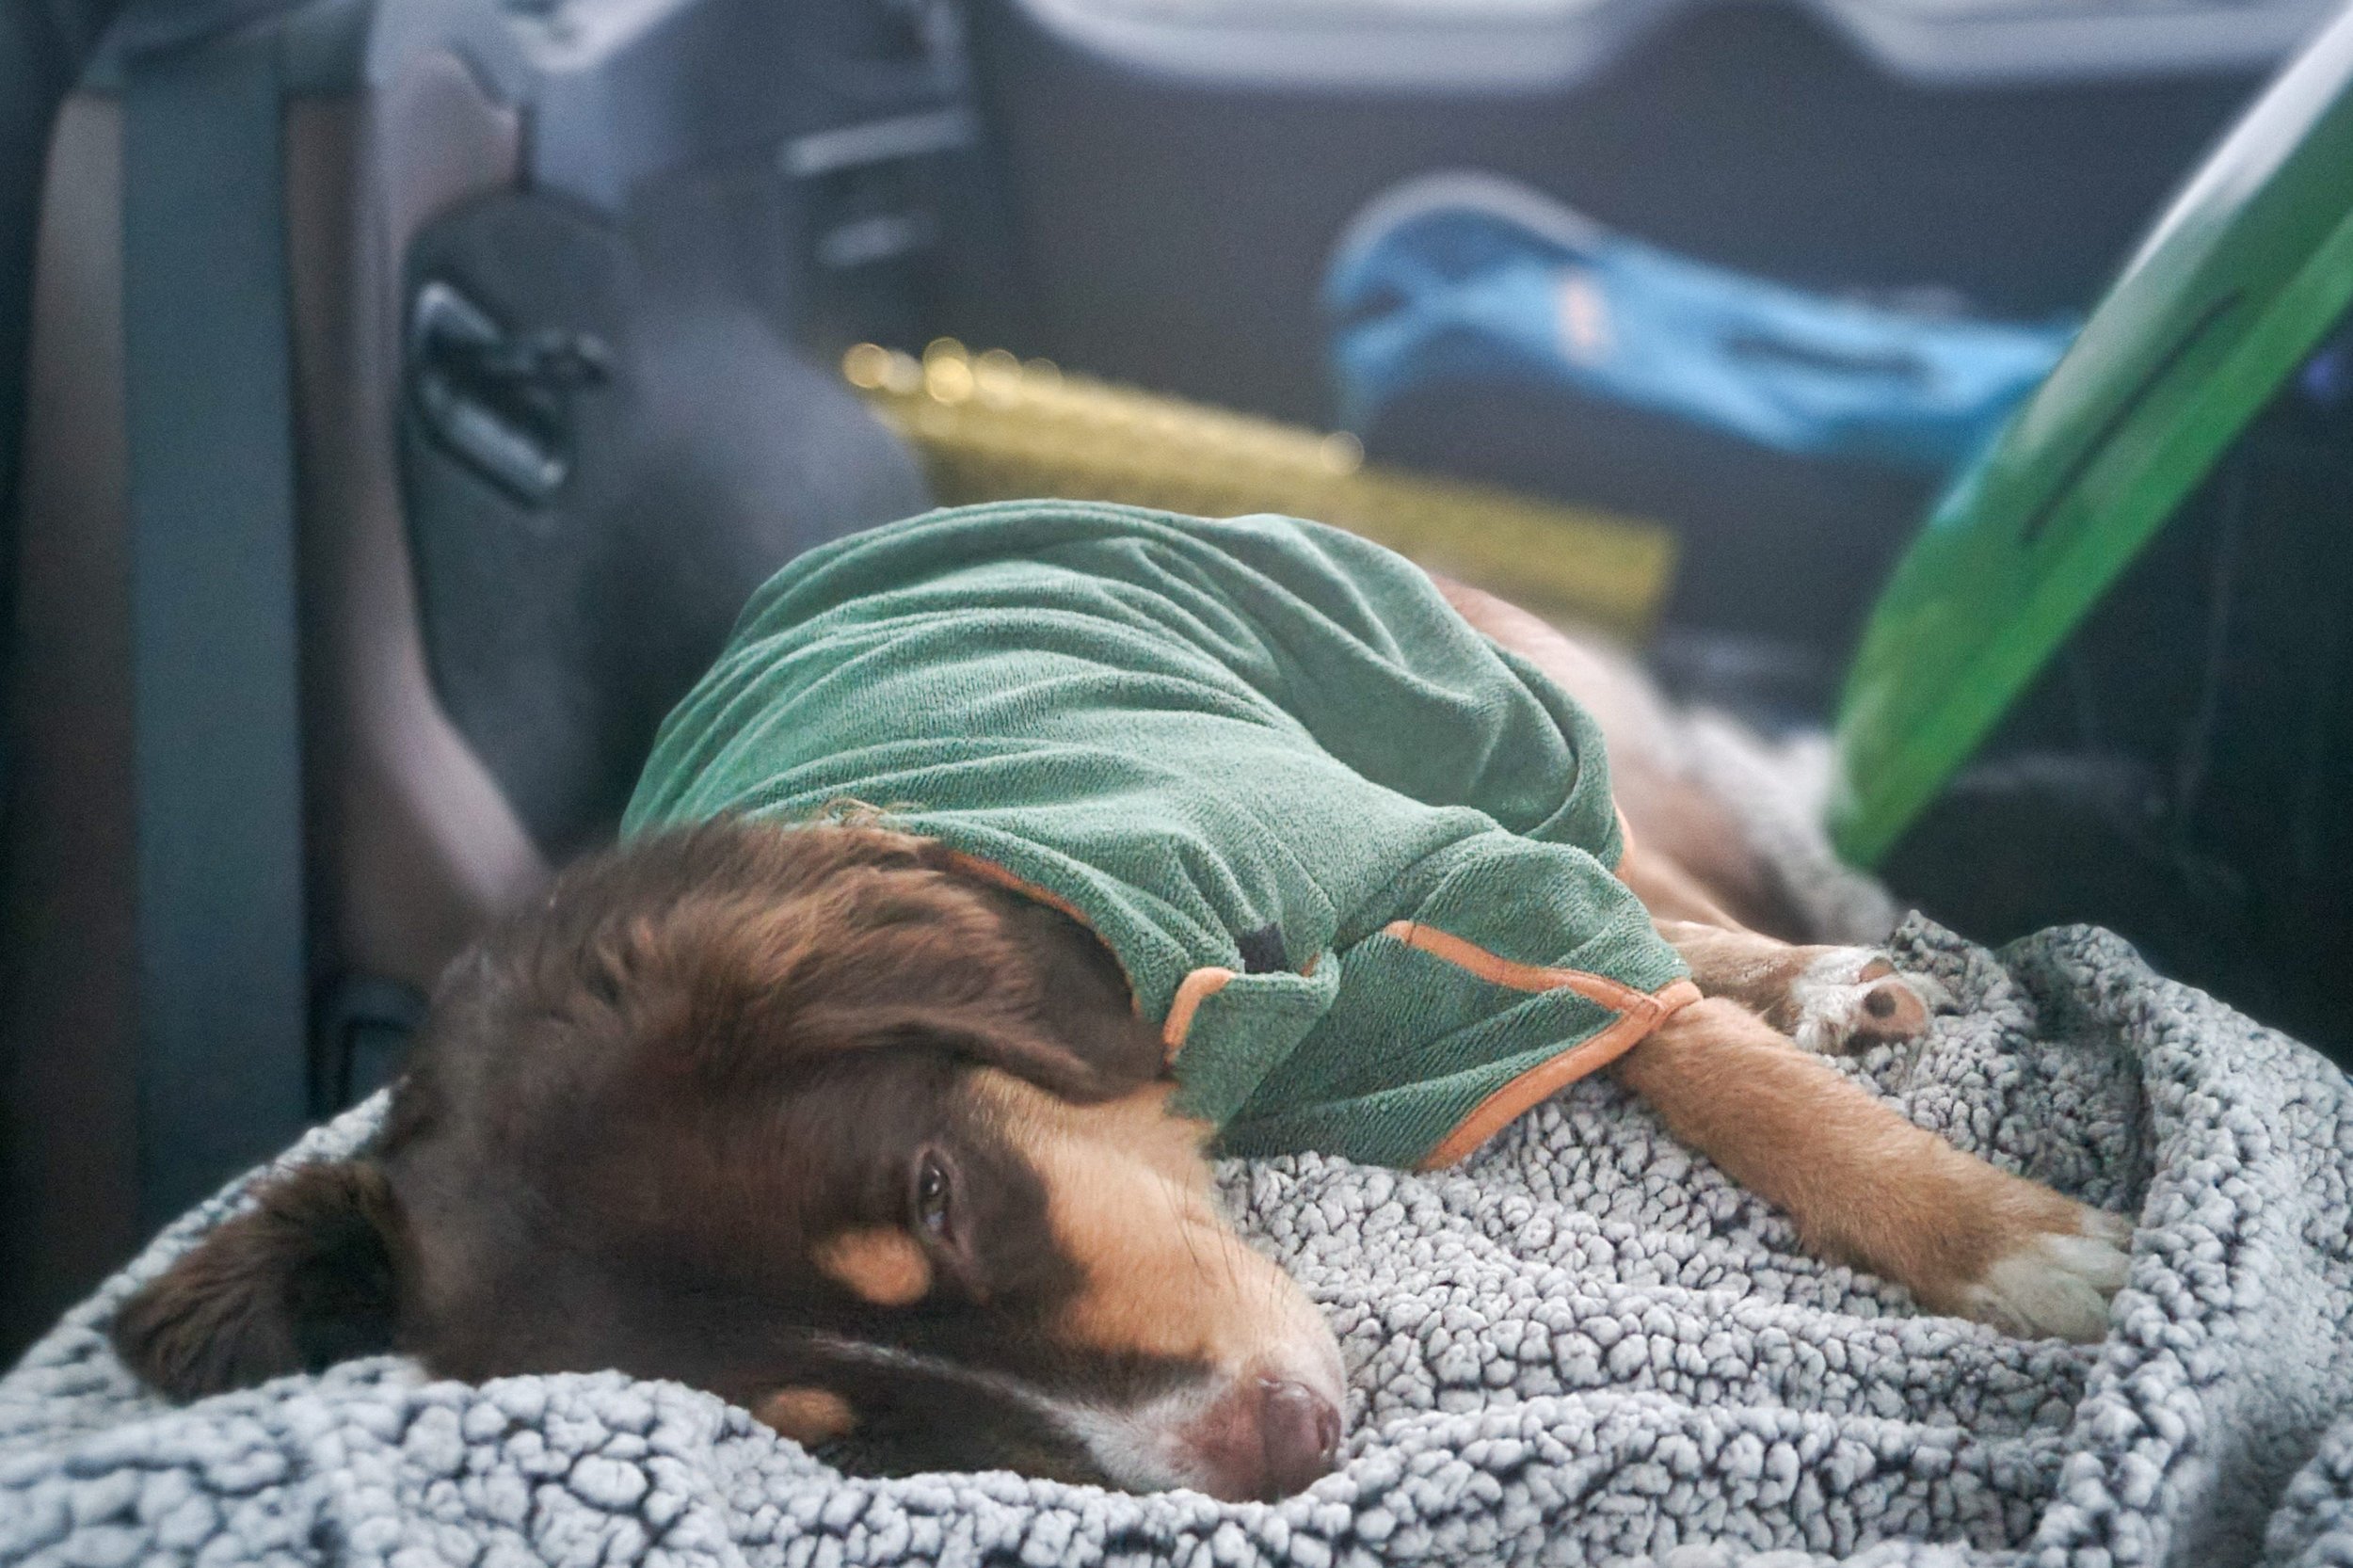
[1475,289]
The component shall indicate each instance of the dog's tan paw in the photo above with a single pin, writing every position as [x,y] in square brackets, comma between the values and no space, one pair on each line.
[2057,1285]
[1851,998]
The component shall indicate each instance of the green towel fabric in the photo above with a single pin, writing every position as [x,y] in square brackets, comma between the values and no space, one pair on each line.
[1355,858]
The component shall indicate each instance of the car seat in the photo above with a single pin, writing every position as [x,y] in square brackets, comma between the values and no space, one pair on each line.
[415,391]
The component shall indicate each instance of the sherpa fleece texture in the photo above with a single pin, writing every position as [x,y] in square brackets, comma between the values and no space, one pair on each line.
[1356,859]
[1583,1346]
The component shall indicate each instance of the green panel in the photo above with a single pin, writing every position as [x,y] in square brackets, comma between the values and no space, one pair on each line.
[2250,267]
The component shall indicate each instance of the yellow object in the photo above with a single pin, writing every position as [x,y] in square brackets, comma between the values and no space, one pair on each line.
[993,427]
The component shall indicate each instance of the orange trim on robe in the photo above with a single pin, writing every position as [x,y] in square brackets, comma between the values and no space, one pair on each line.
[1615,995]
[1515,1100]
[1639,1012]
[1192,991]
[989,870]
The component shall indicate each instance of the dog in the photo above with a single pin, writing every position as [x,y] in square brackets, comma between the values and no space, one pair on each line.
[835,1118]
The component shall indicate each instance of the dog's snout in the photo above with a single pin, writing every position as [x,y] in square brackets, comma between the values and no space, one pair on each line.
[1267,1439]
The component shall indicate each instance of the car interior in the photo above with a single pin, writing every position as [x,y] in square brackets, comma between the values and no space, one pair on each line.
[476,358]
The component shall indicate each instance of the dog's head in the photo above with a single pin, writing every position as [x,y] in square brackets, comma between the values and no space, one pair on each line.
[811,1119]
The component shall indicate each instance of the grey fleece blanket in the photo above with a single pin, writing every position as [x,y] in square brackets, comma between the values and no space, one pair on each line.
[1582,1347]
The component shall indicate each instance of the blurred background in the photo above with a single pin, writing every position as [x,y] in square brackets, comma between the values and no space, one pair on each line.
[398,398]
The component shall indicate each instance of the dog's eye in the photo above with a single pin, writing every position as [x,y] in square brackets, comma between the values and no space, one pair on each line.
[932,1191]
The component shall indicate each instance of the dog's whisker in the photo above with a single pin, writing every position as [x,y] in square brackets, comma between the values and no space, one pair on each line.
[1174,1194]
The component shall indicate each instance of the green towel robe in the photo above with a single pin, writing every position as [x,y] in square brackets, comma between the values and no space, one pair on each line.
[1355,858]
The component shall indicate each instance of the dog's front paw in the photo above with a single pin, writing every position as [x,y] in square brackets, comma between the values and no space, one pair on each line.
[2056,1286]
[1851,998]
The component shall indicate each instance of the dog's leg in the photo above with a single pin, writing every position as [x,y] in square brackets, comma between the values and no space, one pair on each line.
[1866,1187]
[1827,999]
[1691,859]
[1671,894]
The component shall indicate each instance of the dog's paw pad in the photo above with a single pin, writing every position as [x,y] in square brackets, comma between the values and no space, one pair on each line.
[2057,1285]
[1851,999]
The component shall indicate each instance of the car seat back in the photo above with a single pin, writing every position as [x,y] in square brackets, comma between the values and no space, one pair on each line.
[477,667]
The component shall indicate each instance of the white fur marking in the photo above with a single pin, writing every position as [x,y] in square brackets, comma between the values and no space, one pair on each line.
[1829,992]
[1141,1448]
[2056,1286]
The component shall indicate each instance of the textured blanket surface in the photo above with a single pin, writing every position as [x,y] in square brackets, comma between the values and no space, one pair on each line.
[1583,1346]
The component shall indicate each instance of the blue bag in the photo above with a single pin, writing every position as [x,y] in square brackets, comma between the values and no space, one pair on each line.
[1458,278]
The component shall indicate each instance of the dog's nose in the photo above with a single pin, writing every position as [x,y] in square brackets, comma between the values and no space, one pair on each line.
[1302,1434]
[1267,1439]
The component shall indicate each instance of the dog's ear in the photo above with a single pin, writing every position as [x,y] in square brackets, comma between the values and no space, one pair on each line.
[1117,1058]
[996,977]
[741,950]
[1082,1055]
[303,1280]
[1087,1043]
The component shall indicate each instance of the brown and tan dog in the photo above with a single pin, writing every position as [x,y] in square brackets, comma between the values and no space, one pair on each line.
[814,1119]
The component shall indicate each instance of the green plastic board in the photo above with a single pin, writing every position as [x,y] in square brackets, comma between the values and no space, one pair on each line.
[2247,270]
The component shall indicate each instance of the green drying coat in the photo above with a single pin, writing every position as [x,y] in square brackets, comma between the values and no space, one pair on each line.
[1355,858]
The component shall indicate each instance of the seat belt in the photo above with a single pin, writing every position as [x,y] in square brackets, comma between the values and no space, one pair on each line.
[215,722]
